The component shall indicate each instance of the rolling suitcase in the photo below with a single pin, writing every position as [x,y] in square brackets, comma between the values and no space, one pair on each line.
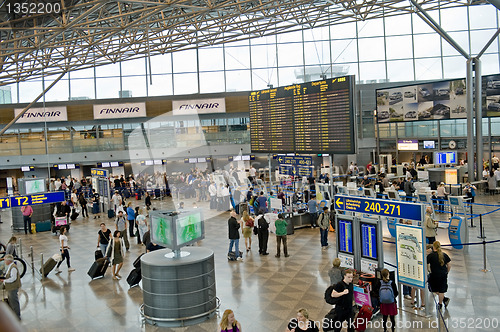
[48,266]
[43,226]
[98,254]
[111,213]
[137,262]
[98,268]
[74,215]
[134,277]
[363,317]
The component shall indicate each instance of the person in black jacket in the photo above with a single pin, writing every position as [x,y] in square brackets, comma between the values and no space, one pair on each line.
[234,234]
[63,210]
[147,201]
[343,310]
[263,233]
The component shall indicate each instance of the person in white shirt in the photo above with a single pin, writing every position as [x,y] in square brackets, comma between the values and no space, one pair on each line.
[497,174]
[252,171]
[63,240]
[212,191]
[12,283]
[57,184]
[116,200]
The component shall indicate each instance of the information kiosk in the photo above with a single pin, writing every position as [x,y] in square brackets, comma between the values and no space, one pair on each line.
[178,286]
[458,232]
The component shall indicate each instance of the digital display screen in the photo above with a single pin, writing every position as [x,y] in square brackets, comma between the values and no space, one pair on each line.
[442,158]
[311,117]
[105,164]
[25,168]
[157,162]
[392,195]
[148,162]
[369,241]
[408,145]
[71,166]
[161,231]
[429,145]
[188,228]
[345,236]
[114,164]
[35,186]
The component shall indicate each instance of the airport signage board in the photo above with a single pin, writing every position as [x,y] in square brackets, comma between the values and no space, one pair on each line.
[101,173]
[381,207]
[42,114]
[36,199]
[199,106]
[113,111]
[294,160]
[410,255]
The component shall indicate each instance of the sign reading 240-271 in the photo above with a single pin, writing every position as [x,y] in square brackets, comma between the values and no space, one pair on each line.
[379,207]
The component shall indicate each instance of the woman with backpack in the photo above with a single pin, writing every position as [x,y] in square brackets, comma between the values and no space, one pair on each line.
[387,295]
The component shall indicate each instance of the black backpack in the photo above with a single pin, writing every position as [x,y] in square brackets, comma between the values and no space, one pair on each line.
[328,296]
[263,225]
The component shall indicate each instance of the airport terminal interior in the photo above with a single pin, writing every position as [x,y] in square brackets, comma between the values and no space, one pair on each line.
[377,110]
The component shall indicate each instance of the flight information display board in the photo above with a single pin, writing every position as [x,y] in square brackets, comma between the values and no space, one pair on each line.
[314,117]
[369,241]
[345,236]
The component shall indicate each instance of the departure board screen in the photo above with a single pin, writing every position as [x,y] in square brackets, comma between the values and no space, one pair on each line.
[314,117]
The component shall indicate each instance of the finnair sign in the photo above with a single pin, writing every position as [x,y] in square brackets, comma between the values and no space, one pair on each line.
[129,110]
[42,114]
[199,106]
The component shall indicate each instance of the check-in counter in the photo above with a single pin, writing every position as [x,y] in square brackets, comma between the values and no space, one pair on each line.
[301,220]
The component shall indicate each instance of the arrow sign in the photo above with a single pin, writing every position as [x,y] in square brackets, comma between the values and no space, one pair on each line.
[339,203]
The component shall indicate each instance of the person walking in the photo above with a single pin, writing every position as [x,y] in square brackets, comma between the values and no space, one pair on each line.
[63,240]
[234,235]
[438,264]
[324,225]
[147,201]
[228,323]
[142,224]
[130,219]
[431,226]
[248,225]
[263,233]
[115,254]
[83,203]
[121,225]
[12,283]
[27,212]
[387,296]
[103,238]
[343,309]
[281,233]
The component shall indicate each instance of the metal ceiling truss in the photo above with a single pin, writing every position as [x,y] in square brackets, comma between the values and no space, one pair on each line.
[97,32]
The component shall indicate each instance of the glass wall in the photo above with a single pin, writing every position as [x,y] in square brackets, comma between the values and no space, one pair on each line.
[394,49]
[114,137]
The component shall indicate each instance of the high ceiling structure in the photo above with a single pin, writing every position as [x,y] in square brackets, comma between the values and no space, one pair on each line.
[57,36]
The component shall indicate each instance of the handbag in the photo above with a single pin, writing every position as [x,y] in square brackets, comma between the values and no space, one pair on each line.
[255,230]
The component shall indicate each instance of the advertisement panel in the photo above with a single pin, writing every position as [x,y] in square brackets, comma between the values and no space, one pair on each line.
[42,114]
[199,106]
[429,101]
[112,111]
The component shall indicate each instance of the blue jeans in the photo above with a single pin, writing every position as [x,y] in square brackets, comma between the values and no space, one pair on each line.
[103,248]
[236,243]
[324,237]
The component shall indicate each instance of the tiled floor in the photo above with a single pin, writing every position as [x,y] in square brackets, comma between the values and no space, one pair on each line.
[263,291]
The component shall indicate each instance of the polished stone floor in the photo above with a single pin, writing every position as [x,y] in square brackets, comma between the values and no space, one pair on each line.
[264,291]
